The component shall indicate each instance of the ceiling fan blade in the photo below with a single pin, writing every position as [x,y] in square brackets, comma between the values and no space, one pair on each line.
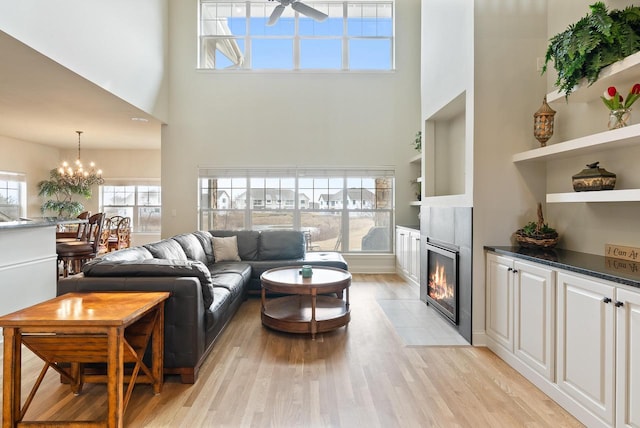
[309,11]
[275,15]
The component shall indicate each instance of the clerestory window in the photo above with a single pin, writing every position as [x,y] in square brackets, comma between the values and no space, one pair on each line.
[296,35]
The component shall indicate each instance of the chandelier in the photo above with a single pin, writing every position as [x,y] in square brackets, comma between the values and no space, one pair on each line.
[78,175]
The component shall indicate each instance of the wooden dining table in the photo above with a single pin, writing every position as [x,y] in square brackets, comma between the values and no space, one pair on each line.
[75,329]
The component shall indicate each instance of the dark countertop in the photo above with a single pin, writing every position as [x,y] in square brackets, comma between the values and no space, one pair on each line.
[37,222]
[610,269]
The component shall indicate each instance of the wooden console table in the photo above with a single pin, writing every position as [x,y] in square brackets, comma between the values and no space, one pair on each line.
[307,309]
[77,328]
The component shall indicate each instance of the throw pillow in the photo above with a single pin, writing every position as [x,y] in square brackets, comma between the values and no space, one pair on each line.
[225,249]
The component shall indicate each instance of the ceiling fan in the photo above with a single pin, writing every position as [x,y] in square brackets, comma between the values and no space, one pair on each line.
[298,6]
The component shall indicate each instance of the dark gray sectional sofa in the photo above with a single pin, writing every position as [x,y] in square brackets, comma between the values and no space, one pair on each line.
[205,293]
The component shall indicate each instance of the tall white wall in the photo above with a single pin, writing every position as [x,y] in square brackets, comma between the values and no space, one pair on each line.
[119,45]
[274,119]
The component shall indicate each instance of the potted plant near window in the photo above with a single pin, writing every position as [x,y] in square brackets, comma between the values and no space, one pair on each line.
[597,40]
[61,189]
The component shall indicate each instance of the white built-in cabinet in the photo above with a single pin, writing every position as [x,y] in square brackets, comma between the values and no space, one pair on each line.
[520,311]
[574,336]
[408,254]
[628,359]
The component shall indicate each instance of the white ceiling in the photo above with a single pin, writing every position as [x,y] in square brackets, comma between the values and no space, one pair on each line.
[44,102]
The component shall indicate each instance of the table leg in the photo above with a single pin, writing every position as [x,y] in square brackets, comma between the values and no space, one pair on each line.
[157,348]
[12,372]
[347,290]
[314,325]
[76,375]
[263,299]
[115,377]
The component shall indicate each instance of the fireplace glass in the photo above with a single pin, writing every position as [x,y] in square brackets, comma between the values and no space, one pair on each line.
[442,280]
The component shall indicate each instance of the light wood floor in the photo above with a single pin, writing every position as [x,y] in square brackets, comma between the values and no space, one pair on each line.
[359,376]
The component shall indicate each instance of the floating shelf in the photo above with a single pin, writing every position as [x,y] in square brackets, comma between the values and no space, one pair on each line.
[591,143]
[627,68]
[415,203]
[416,159]
[627,195]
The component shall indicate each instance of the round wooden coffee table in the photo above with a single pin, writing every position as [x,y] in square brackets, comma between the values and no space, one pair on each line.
[307,308]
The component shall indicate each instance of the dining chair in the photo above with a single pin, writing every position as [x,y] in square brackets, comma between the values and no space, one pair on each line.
[75,254]
[80,231]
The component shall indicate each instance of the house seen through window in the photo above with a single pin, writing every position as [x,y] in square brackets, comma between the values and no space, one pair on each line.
[341,210]
[301,35]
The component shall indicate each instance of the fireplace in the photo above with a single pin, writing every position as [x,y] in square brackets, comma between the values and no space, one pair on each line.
[442,279]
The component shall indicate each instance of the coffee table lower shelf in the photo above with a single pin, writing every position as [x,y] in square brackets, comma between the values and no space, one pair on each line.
[294,314]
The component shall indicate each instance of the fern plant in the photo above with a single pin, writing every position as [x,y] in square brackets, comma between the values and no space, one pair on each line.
[595,41]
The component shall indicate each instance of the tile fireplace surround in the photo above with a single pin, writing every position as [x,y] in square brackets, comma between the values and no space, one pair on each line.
[452,226]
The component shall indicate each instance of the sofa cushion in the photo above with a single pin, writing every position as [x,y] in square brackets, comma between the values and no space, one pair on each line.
[154,268]
[192,247]
[281,245]
[230,275]
[225,249]
[247,241]
[166,249]
[130,254]
[205,240]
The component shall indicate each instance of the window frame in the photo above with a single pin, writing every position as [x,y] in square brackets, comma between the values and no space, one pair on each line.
[342,208]
[246,54]
[136,206]
[20,181]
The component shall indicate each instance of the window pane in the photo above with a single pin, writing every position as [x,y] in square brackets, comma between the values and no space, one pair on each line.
[121,211]
[369,232]
[13,196]
[149,219]
[328,27]
[370,54]
[225,220]
[272,53]
[323,230]
[323,53]
[262,220]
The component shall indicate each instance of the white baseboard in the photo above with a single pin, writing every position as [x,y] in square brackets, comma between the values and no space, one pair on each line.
[370,263]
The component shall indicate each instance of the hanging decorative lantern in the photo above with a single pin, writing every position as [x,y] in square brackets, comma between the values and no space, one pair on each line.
[543,123]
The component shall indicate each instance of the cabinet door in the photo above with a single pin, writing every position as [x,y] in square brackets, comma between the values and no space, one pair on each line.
[534,317]
[414,251]
[499,300]
[401,250]
[628,359]
[585,365]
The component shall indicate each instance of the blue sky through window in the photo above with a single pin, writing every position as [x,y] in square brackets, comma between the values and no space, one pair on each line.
[303,43]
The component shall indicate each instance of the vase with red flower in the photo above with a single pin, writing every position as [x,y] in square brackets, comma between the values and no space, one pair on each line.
[619,107]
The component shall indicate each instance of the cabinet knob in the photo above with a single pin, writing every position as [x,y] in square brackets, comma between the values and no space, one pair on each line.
[606,300]
[515,271]
[509,269]
[619,303]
